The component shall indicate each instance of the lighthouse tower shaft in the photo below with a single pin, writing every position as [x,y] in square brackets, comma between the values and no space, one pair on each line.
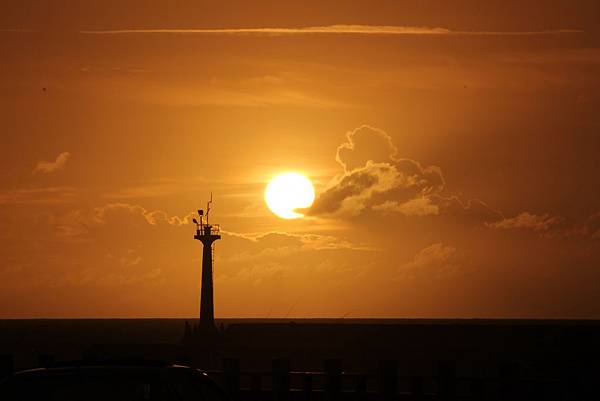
[207,234]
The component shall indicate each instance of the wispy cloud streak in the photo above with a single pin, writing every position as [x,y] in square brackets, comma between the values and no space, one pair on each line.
[16,30]
[335,29]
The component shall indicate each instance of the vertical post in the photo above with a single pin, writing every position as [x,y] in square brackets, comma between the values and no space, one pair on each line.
[416,388]
[586,378]
[447,381]
[576,383]
[333,379]
[281,379]
[478,389]
[7,365]
[388,380]
[509,381]
[307,386]
[256,387]
[360,387]
[231,372]
[187,332]
[45,360]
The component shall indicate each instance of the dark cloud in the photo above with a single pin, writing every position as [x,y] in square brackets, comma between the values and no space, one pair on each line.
[551,227]
[563,228]
[473,210]
[435,261]
[527,221]
[352,192]
[594,225]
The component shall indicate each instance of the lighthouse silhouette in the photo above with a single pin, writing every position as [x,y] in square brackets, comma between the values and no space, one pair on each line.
[207,234]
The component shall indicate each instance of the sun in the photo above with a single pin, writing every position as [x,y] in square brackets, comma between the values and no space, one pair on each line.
[287,192]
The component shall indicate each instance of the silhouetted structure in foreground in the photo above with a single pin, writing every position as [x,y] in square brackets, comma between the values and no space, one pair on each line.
[344,359]
[207,234]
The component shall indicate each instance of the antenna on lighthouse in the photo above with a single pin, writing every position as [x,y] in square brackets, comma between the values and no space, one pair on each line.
[208,208]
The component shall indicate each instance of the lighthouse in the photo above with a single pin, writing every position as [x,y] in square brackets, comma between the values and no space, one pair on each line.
[207,234]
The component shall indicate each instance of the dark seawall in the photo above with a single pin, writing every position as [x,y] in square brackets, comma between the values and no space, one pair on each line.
[540,346]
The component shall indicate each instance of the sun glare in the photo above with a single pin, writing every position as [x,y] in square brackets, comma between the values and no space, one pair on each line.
[287,192]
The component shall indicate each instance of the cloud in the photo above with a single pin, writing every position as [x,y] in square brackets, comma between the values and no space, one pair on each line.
[334,29]
[38,196]
[363,144]
[133,276]
[593,225]
[80,223]
[352,192]
[257,274]
[50,167]
[283,248]
[17,30]
[552,227]
[272,258]
[586,55]
[588,229]
[474,210]
[152,278]
[375,178]
[153,217]
[527,221]
[300,241]
[253,92]
[153,189]
[414,207]
[437,260]
[144,191]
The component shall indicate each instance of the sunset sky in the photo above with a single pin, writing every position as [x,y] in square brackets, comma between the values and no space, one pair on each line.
[454,148]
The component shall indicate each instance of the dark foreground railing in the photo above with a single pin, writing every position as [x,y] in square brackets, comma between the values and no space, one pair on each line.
[333,383]
[6,365]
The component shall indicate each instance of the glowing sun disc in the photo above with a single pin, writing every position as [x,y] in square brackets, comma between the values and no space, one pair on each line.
[287,192]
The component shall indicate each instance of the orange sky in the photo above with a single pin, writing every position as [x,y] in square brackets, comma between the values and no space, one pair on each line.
[453,145]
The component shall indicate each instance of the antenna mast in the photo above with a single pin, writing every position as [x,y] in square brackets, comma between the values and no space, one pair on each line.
[208,207]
